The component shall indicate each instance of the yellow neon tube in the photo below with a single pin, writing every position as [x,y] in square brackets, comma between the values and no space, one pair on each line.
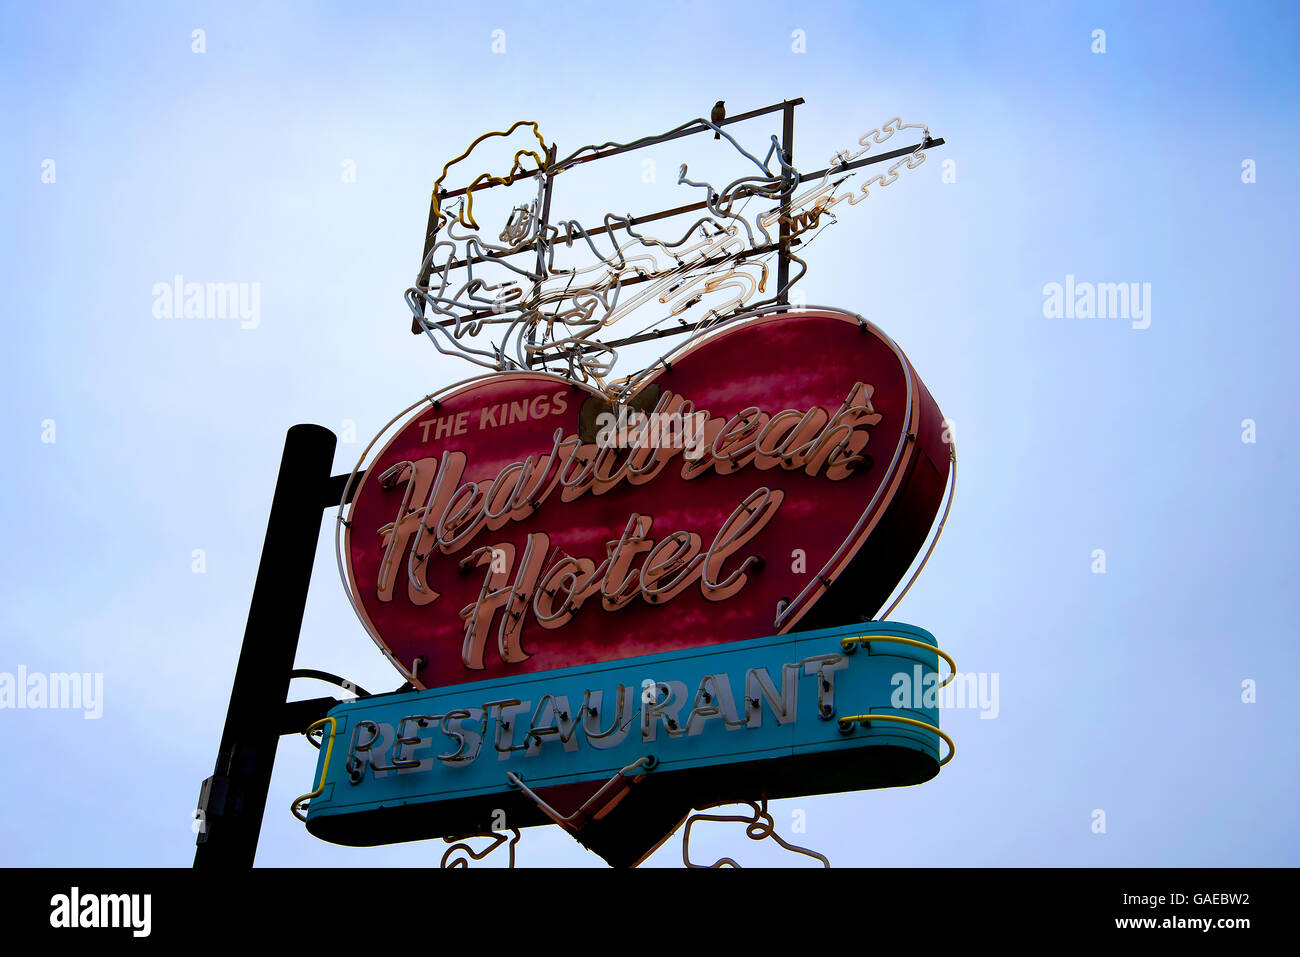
[847,643]
[295,807]
[466,218]
[846,723]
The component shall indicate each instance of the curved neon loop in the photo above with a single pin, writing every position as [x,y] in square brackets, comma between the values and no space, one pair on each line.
[850,644]
[297,806]
[846,725]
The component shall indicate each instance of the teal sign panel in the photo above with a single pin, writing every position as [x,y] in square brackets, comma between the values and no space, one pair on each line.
[781,716]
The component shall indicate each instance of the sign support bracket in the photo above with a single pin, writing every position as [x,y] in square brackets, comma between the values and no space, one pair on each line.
[233,800]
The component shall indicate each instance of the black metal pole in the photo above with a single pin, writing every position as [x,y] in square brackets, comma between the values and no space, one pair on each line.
[234,798]
[542,223]
[426,267]
[787,193]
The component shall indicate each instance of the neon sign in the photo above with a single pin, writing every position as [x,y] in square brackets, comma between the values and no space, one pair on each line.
[489,539]
[784,715]
[621,599]
[567,305]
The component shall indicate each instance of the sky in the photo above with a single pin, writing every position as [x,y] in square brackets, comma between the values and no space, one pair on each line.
[1160,449]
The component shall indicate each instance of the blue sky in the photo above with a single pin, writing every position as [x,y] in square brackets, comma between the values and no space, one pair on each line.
[1120,691]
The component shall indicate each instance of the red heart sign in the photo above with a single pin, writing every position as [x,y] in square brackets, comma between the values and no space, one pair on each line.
[782,472]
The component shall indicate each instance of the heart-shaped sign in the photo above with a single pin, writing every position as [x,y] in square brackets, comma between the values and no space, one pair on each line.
[785,476]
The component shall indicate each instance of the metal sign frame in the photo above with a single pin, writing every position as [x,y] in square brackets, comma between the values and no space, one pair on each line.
[782,247]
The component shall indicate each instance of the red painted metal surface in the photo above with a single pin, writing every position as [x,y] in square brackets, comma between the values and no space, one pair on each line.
[838,510]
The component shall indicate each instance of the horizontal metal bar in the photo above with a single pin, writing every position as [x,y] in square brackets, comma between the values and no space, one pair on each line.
[654,334]
[484,313]
[692,207]
[334,488]
[691,131]
[879,158]
[597,231]
[643,337]
[641,144]
[297,716]
[333,679]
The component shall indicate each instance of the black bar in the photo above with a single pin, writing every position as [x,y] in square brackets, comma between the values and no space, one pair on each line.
[426,268]
[257,697]
[297,716]
[331,678]
[787,193]
[1010,904]
[690,131]
[879,158]
[1027,905]
[541,236]
[335,486]
[643,143]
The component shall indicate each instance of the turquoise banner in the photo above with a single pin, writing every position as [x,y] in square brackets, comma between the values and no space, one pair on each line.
[740,703]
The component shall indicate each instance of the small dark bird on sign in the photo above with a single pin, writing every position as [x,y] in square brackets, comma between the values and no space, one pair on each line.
[718,115]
